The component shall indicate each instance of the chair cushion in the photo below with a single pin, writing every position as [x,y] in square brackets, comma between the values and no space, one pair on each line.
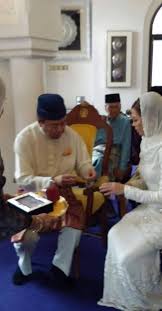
[98,198]
[88,134]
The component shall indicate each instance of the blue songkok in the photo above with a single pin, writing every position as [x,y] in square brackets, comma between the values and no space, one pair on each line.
[51,107]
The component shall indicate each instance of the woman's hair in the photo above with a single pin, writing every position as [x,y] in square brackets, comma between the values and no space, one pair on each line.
[136,106]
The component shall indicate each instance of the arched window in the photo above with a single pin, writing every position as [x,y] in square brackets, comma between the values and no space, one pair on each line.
[155,51]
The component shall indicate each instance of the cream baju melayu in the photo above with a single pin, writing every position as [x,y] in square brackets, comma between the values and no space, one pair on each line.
[38,158]
[132,277]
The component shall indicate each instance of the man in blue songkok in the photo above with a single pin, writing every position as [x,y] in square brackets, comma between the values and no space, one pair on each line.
[48,151]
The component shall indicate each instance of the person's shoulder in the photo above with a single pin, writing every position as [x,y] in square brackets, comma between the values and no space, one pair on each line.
[124,117]
[69,131]
[27,131]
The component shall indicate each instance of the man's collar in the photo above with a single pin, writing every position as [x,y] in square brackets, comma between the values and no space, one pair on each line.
[110,119]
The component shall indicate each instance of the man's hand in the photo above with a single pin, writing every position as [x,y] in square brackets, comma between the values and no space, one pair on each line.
[7,196]
[66,179]
[91,175]
[112,188]
[18,237]
[40,223]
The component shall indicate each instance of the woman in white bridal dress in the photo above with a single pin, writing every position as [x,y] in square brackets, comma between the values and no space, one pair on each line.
[132,277]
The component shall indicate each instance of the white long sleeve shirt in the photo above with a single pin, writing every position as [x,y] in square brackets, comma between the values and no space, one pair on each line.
[38,158]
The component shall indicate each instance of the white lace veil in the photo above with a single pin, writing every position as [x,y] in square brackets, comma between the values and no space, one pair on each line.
[151,112]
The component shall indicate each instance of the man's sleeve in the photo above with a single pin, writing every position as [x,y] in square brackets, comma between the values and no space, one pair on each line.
[137,181]
[126,146]
[24,166]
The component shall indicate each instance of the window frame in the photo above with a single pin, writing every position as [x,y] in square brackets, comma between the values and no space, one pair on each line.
[152,38]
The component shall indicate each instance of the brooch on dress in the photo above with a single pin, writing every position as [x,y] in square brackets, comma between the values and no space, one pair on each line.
[67,152]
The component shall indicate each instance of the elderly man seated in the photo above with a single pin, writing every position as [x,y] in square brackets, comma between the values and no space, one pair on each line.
[120,153]
[46,152]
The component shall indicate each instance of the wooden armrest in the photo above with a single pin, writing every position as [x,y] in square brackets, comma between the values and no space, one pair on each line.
[101,180]
[83,183]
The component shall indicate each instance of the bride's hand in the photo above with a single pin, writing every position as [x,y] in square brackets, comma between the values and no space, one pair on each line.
[111,188]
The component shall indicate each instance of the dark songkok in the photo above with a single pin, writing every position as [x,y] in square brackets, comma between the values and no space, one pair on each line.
[51,107]
[157,89]
[112,98]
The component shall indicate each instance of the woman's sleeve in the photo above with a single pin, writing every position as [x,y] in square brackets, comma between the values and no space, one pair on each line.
[137,181]
[125,145]
[146,196]
[11,221]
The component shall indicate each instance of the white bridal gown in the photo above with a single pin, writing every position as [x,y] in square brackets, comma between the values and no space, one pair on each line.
[132,277]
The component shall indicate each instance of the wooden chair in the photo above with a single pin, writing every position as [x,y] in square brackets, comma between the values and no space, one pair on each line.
[85,120]
[122,202]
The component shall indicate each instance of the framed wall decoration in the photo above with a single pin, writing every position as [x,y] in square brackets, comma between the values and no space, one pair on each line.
[119,58]
[76,30]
